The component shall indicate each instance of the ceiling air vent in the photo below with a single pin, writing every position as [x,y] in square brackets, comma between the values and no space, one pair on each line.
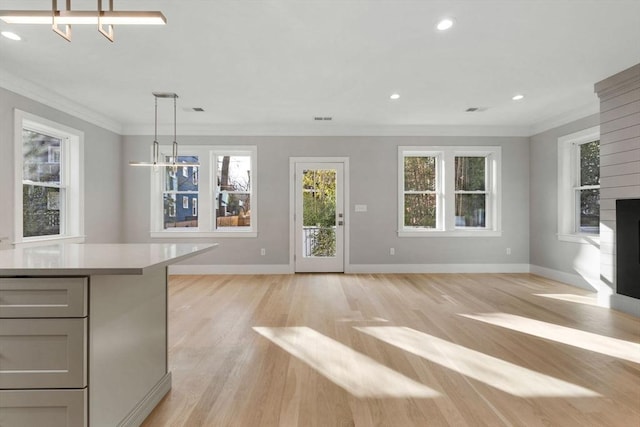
[475,109]
[194,109]
[319,119]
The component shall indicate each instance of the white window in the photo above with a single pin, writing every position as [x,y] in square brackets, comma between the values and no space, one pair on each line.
[48,181]
[579,185]
[215,199]
[449,191]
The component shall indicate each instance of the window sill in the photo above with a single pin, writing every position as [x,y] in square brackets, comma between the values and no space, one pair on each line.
[202,234]
[580,238]
[42,241]
[451,233]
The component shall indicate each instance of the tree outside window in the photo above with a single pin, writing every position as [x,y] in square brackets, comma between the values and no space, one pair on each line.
[588,188]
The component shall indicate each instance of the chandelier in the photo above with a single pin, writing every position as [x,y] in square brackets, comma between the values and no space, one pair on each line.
[173,160]
[104,19]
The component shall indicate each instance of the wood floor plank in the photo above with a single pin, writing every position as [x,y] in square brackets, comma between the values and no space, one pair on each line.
[493,348]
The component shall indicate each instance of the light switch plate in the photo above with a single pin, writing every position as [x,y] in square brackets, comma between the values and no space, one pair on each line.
[360,208]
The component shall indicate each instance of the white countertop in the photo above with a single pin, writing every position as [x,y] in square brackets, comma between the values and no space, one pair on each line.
[89,259]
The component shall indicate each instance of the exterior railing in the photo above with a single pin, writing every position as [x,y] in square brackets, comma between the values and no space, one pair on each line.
[319,241]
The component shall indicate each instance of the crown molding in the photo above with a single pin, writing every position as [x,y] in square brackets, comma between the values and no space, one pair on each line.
[55,100]
[331,129]
[557,121]
[52,99]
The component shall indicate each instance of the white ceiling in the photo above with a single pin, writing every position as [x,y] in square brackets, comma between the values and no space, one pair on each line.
[271,66]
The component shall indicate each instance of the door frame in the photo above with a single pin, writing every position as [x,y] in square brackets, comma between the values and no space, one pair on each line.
[292,204]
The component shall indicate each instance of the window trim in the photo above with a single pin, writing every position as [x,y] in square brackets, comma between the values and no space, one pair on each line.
[445,182]
[568,183]
[206,193]
[72,180]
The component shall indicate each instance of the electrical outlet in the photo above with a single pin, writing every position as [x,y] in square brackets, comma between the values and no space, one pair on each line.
[508,251]
[263,251]
[392,251]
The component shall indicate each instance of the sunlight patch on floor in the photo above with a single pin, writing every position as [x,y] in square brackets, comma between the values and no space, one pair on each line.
[498,373]
[356,373]
[580,299]
[613,347]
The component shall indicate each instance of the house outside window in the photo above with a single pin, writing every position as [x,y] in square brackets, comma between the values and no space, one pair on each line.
[214,199]
[232,192]
[579,185]
[449,191]
[179,190]
[49,181]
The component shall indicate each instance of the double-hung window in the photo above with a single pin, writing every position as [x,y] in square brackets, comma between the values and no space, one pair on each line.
[422,192]
[451,191]
[579,185]
[49,181]
[471,191]
[216,198]
[180,192]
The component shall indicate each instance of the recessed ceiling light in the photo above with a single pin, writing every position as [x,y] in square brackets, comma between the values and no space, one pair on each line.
[445,24]
[395,96]
[518,97]
[11,36]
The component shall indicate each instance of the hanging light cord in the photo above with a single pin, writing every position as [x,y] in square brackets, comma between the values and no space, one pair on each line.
[175,142]
[156,145]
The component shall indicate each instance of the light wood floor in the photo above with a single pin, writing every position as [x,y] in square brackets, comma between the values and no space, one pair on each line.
[396,350]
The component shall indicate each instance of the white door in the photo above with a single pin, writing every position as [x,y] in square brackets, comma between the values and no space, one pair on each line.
[319,217]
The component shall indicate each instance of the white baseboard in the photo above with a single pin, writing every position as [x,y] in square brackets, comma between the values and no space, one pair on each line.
[589,284]
[437,268]
[353,268]
[626,304]
[231,269]
[146,405]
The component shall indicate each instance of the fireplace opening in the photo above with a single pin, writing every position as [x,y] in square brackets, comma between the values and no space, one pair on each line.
[628,247]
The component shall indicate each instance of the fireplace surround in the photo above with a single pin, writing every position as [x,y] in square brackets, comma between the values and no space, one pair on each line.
[628,247]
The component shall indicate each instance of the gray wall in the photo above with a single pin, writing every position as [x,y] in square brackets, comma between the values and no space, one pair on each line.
[103,170]
[373,181]
[547,251]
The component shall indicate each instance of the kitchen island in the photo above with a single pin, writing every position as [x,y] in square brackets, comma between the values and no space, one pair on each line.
[83,332]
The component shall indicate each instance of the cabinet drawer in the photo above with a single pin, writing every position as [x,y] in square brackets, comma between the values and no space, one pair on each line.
[43,353]
[43,297]
[51,408]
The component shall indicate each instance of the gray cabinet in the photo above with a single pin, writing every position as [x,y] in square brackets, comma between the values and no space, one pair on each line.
[51,408]
[43,351]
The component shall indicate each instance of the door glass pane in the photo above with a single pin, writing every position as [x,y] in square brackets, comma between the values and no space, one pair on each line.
[319,213]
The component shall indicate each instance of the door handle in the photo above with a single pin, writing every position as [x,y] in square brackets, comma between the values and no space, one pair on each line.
[340,223]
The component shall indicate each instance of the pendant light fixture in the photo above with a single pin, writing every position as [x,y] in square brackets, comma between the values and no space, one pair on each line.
[173,160]
[68,17]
